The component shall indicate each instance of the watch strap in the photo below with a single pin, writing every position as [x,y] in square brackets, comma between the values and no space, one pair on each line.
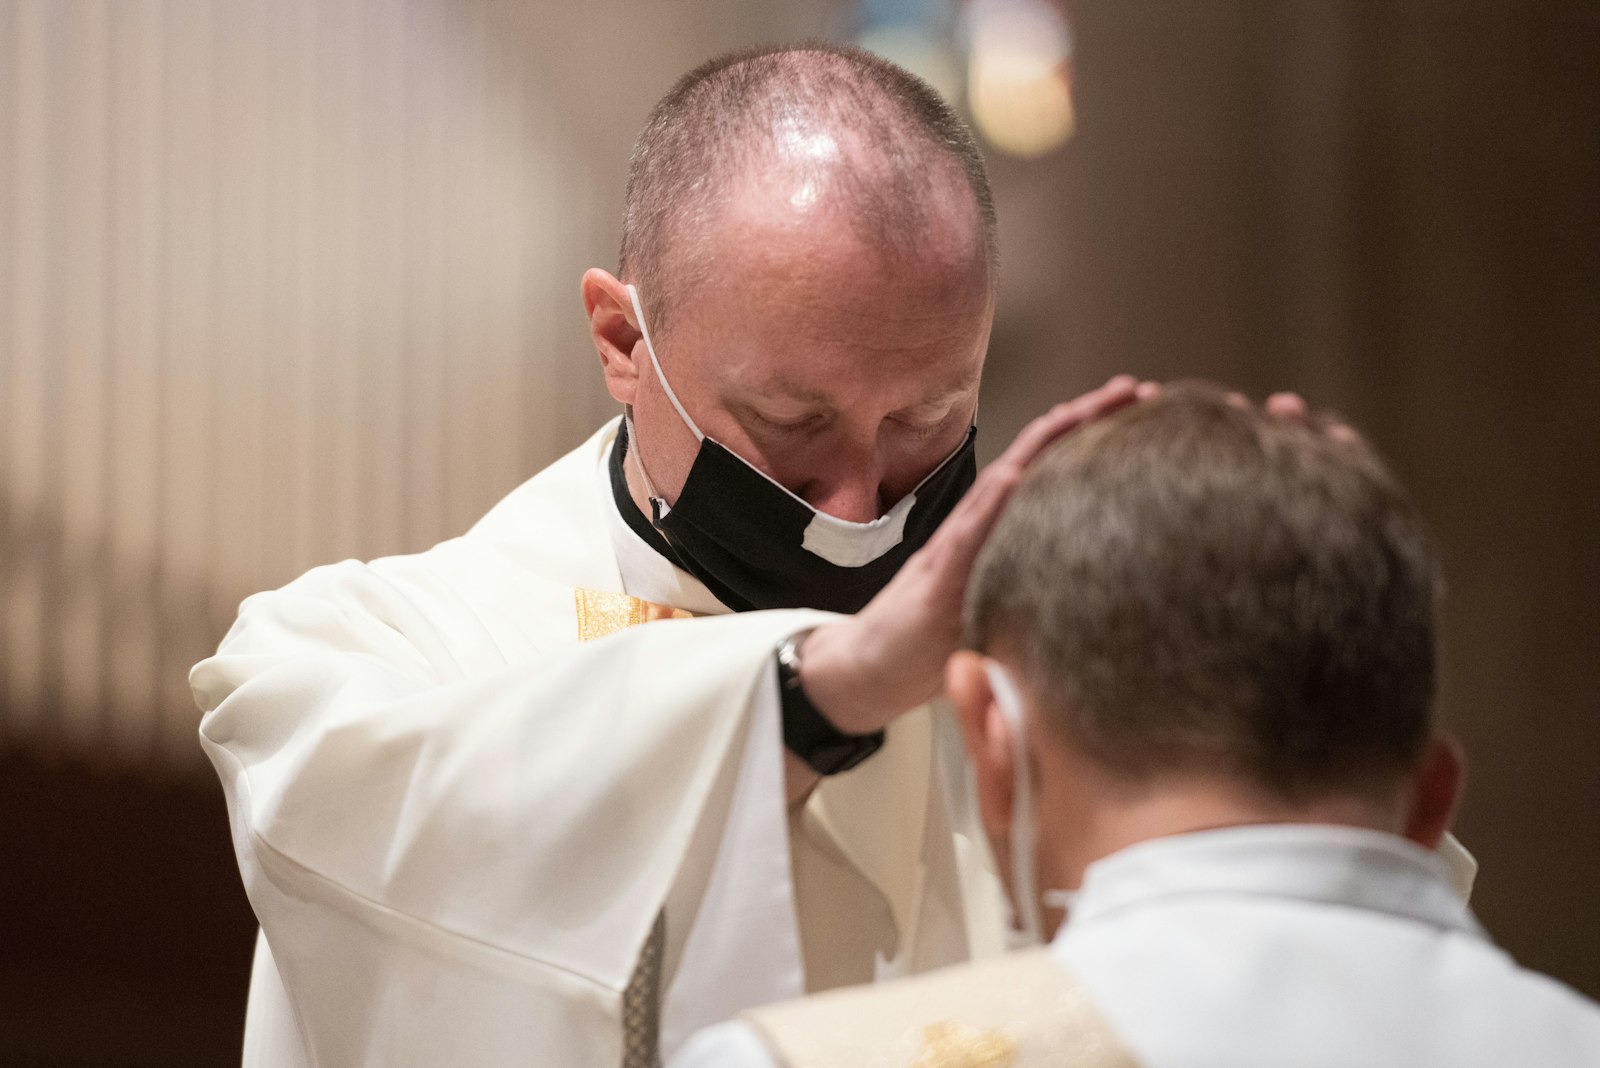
[807,733]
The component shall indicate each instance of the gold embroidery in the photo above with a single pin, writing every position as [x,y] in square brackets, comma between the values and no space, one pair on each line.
[954,1045]
[1002,1012]
[601,612]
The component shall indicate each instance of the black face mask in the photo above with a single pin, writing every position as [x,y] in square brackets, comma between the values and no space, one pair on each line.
[756,545]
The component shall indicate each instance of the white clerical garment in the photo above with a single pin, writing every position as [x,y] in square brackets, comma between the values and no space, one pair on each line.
[458,822]
[1277,946]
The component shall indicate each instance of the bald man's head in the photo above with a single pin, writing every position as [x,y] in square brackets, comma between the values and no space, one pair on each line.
[828,135]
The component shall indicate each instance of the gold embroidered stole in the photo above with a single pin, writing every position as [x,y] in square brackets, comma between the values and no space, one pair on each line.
[601,612]
[1020,1010]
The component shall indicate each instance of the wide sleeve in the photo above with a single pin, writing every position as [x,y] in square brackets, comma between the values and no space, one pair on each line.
[486,848]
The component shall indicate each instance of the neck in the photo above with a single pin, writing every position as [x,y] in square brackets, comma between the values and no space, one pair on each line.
[1116,818]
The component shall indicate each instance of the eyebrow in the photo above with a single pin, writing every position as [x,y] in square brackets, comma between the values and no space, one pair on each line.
[794,391]
[807,395]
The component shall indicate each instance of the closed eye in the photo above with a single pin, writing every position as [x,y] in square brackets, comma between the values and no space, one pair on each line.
[921,432]
[790,424]
[922,424]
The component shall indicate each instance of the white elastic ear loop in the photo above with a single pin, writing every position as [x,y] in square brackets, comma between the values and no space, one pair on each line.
[638,311]
[638,458]
[1024,883]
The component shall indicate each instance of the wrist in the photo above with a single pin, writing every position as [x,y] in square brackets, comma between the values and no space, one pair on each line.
[809,734]
[833,672]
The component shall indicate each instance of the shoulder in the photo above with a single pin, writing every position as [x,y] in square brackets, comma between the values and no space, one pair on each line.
[1527,1016]
[553,525]
[1386,990]
[502,585]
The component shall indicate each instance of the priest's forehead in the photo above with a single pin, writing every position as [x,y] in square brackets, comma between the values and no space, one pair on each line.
[804,320]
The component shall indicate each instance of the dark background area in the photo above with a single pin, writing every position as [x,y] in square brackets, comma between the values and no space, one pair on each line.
[127,936]
[1392,208]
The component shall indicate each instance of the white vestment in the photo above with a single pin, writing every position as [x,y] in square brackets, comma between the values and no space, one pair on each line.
[458,824]
[1273,946]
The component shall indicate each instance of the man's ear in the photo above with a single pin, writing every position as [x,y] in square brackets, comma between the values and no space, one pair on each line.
[987,735]
[1436,791]
[615,334]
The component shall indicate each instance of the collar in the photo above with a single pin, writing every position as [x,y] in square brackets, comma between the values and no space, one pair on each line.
[648,567]
[1320,863]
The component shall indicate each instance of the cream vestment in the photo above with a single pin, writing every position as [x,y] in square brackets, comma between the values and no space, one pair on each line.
[459,822]
[1274,946]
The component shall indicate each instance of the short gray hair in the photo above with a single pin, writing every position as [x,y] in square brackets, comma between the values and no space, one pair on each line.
[719,124]
[1192,586]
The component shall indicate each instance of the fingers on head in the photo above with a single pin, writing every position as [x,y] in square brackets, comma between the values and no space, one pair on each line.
[1287,406]
[1067,416]
[1343,433]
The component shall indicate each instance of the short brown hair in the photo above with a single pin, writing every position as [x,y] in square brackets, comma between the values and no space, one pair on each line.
[720,122]
[1192,585]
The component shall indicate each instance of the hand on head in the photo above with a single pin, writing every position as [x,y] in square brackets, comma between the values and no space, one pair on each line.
[889,657]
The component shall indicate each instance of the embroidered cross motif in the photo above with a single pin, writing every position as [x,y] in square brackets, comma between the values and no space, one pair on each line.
[953,1045]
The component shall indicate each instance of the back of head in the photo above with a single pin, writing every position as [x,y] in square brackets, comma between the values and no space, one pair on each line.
[865,138]
[1194,587]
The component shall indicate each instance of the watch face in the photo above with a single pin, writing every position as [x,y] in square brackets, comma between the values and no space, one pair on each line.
[789,664]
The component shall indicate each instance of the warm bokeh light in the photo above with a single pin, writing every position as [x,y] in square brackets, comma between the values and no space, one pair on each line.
[1018,75]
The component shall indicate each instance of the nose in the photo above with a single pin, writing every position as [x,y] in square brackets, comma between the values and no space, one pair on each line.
[851,488]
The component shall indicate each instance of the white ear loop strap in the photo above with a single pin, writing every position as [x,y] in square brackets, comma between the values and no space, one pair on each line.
[644,330]
[638,459]
[1024,883]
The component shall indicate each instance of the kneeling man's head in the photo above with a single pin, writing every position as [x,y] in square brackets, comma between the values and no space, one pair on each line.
[1212,616]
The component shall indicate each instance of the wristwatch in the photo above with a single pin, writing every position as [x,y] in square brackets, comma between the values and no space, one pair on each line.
[806,731]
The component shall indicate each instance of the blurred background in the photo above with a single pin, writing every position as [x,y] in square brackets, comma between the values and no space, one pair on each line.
[288,281]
